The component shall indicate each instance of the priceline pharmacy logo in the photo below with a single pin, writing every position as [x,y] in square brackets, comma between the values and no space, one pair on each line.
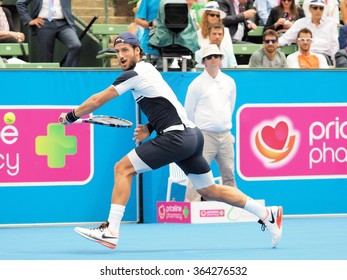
[275,142]
[280,141]
[36,150]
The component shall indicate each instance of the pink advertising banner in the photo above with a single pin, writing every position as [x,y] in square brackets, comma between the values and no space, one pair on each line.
[173,212]
[36,150]
[292,141]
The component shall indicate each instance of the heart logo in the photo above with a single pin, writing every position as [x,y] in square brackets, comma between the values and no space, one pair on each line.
[275,138]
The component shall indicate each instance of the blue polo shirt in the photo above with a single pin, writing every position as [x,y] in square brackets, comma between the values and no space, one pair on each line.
[148,10]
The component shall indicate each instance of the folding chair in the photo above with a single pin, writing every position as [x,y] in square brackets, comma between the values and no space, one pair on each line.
[177,176]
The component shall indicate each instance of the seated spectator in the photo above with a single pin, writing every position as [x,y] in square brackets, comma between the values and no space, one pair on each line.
[263,8]
[7,33]
[216,35]
[343,10]
[283,16]
[269,56]
[331,9]
[211,15]
[240,18]
[194,8]
[341,58]
[324,31]
[303,58]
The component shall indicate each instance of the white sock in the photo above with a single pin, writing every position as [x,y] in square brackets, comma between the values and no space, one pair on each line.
[115,217]
[255,208]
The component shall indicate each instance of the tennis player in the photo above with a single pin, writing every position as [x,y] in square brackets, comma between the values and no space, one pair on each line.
[178,140]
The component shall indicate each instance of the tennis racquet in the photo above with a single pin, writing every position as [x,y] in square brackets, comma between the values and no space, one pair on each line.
[106,120]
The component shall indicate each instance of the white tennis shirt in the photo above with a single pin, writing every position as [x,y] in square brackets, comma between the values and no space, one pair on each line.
[210,102]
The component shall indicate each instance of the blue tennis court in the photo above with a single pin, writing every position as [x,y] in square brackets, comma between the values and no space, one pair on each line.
[321,238]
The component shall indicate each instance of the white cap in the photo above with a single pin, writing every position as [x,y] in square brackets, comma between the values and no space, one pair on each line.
[211,49]
[212,6]
[317,3]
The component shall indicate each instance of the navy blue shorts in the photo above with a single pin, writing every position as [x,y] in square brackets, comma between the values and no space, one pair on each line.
[182,147]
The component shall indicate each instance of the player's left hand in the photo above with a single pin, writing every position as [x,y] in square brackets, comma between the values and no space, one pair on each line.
[141,132]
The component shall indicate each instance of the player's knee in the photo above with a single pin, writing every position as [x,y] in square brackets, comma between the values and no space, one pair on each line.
[122,169]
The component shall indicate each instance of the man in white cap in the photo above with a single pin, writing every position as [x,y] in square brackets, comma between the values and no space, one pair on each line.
[210,103]
[331,9]
[178,140]
[324,31]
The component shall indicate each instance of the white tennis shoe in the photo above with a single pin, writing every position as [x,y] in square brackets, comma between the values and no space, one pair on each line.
[273,223]
[100,234]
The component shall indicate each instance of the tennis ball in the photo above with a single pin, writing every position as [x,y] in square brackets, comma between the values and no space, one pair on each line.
[9,118]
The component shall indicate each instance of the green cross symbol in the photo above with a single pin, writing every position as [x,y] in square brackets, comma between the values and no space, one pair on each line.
[185,212]
[56,145]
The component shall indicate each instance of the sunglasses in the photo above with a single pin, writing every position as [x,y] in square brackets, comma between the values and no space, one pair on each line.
[209,57]
[214,15]
[305,40]
[287,1]
[273,41]
[317,7]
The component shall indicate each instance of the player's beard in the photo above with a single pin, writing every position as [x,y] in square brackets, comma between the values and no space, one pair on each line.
[131,64]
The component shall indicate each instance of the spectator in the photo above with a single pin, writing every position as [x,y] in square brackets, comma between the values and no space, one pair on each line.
[303,58]
[343,10]
[133,27]
[215,36]
[240,17]
[331,9]
[7,33]
[263,8]
[269,56]
[283,16]
[210,104]
[324,32]
[341,58]
[211,15]
[146,17]
[49,20]
[194,8]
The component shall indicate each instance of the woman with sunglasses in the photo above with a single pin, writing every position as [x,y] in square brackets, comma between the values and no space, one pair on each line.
[282,17]
[211,15]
